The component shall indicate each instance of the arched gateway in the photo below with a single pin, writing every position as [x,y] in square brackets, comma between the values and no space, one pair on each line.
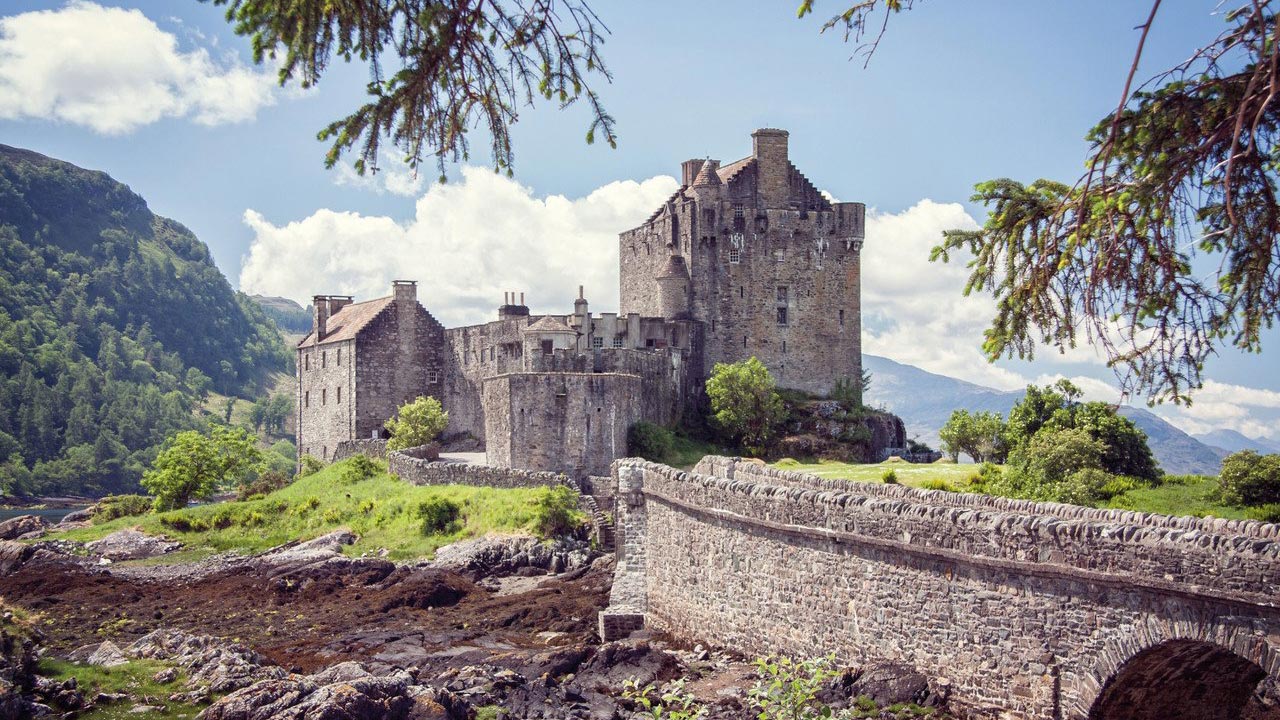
[1019,609]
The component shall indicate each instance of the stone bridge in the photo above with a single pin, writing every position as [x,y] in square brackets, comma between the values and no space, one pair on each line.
[1015,609]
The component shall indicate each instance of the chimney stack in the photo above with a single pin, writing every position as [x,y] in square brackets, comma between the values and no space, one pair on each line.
[405,291]
[319,316]
[773,169]
[689,170]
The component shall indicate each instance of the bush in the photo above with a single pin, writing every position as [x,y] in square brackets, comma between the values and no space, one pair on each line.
[649,441]
[416,423]
[267,482]
[1250,479]
[439,516]
[1266,513]
[117,506]
[310,466]
[938,484]
[359,467]
[1084,487]
[789,689]
[890,477]
[555,512]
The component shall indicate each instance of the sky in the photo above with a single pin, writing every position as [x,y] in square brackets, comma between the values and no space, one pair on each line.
[163,96]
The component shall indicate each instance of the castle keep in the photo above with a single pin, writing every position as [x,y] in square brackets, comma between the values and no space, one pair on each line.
[745,259]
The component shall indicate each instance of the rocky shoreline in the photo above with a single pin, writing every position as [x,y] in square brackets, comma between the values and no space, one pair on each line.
[492,628]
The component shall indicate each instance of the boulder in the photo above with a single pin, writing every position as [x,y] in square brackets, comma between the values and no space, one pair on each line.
[323,548]
[103,654]
[219,664]
[16,527]
[13,555]
[360,698]
[131,544]
[78,516]
[514,554]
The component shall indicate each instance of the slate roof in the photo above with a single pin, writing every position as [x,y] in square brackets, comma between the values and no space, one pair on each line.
[549,324]
[349,321]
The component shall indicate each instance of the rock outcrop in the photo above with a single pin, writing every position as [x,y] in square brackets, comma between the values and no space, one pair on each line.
[131,544]
[16,527]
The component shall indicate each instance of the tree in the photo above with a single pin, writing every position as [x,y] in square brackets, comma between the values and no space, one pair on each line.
[1164,250]
[1250,479]
[416,423]
[979,435]
[458,63]
[744,403]
[192,465]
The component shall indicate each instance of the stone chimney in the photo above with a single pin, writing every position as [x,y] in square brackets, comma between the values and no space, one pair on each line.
[320,316]
[405,291]
[689,170]
[773,169]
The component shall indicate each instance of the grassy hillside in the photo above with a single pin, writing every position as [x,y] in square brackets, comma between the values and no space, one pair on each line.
[114,323]
[382,510]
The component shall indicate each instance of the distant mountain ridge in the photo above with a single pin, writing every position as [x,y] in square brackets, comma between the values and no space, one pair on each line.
[925,401]
[1233,441]
[288,315]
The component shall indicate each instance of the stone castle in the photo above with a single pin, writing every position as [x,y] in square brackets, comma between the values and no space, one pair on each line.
[745,259]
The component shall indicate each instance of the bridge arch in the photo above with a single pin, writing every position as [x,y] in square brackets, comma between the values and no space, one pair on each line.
[1181,671]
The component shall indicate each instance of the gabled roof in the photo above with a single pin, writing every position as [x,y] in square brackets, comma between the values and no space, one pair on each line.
[349,321]
[549,324]
[728,172]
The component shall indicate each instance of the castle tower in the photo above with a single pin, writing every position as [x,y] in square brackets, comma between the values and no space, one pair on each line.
[773,267]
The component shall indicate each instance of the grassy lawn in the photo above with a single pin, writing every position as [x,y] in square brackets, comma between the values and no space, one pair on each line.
[382,510]
[910,474]
[1193,495]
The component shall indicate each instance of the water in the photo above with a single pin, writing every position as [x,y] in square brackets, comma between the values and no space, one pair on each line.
[50,515]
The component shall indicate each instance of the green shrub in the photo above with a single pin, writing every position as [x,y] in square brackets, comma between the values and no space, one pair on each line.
[788,689]
[310,466]
[358,468]
[675,703]
[649,441]
[1084,487]
[890,477]
[1118,486]
[1266,513]
[118,506]
[439,516]
[1250,479]
[266,483]
[555,513]
[937,484]
[416,423]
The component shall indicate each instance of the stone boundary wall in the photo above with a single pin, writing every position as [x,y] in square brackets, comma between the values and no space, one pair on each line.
[371,448]
[1014,612]
[418,471]
[736,468]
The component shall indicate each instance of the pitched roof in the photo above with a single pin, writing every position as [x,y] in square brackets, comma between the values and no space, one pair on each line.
[707,175]
[349,321]
[728,172]
[550,324]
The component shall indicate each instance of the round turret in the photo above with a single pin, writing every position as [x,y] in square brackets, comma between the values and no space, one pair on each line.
[673,288]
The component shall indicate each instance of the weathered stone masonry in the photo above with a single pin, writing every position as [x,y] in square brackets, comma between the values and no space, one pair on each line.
[1028,610]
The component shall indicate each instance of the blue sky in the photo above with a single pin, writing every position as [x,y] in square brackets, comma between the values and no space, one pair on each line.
[956,93]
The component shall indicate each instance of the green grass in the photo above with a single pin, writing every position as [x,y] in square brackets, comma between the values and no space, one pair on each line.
[1179,495]
[918,476]
[382,510]
[686,451]
[1194,495]
[135,679]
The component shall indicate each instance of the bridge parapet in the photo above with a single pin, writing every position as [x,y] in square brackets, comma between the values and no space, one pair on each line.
[1022,607]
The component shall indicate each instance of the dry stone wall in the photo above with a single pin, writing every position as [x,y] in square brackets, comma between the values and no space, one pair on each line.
[1019,611]
[417,471]
[368,448]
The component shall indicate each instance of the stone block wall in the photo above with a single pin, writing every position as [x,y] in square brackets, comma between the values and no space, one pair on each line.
[399,357]
[474,353]
[417,471]
[326,398]
[368,448]
[575,423]
[1017,612]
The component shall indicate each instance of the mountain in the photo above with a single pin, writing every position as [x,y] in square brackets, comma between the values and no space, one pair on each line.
[925,400]
[114,323]
[1233,441]
[288,315]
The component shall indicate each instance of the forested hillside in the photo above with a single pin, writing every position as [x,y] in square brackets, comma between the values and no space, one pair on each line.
[288,315]
[114,323]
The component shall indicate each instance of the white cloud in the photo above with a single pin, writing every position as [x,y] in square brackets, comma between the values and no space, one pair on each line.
[114,70]
[467,243]
[394,179]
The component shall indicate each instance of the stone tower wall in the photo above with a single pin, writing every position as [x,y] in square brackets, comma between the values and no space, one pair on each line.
[574,423]
[325,373]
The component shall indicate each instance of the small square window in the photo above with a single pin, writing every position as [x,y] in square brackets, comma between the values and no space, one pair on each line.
[735,256]
[737,211]
[779,255]
[782,316]
[547,347]
[597,342]
[433,377]
[617,341]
